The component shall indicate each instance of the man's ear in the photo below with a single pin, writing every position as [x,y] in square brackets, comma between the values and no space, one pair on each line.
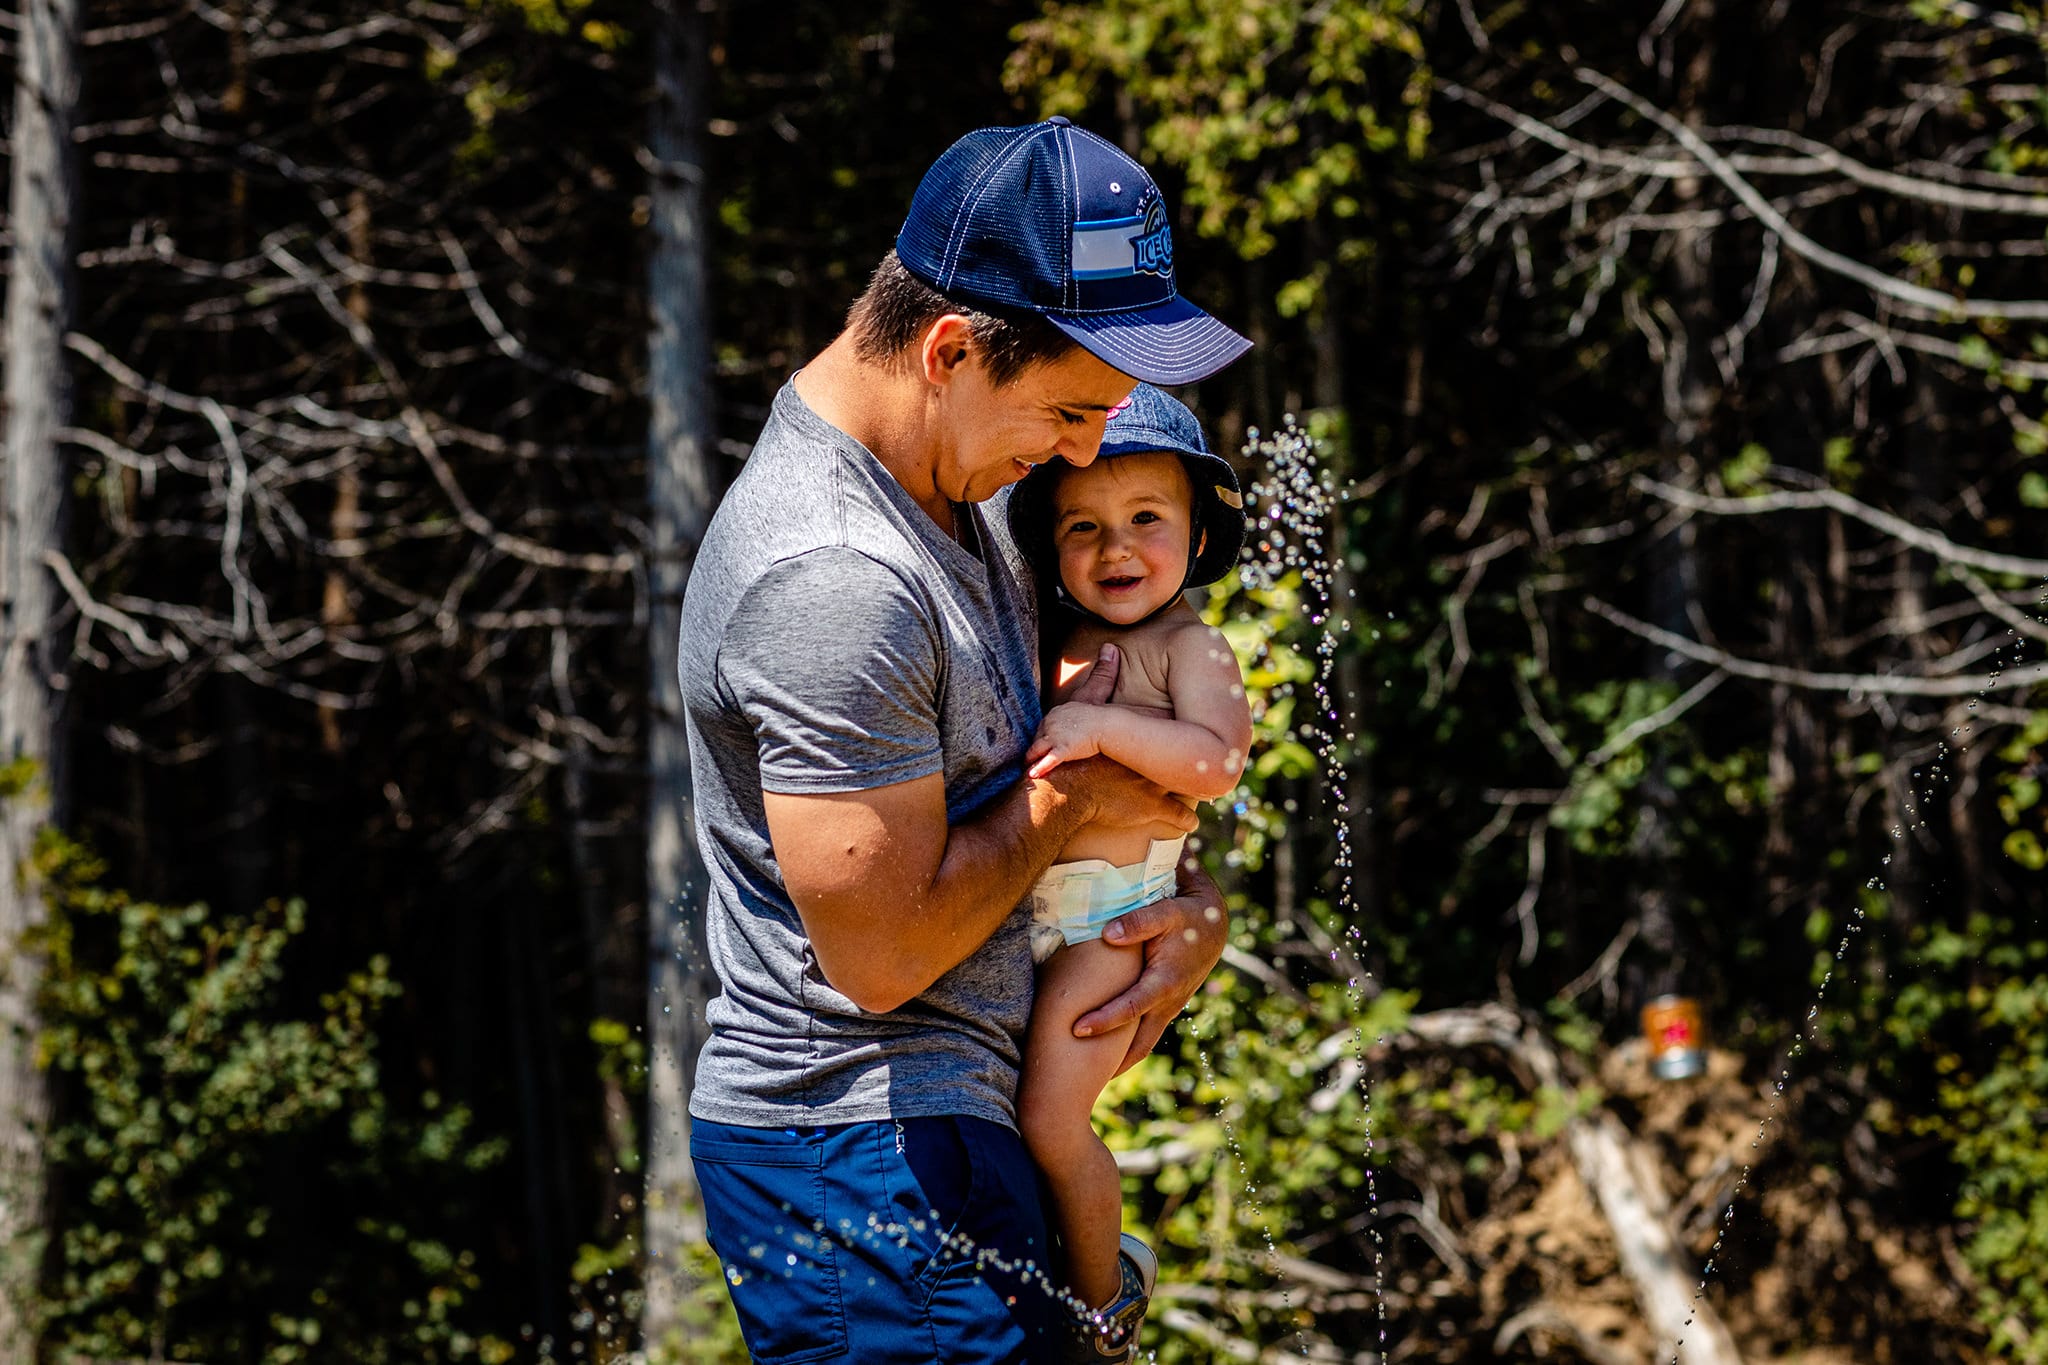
[948,345]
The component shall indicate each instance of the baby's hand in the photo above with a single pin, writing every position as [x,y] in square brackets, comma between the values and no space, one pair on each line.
[1068,732]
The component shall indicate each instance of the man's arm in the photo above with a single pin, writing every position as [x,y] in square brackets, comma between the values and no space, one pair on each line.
[1183,940]
[892,897]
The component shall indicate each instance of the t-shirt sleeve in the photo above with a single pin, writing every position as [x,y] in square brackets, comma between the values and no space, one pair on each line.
[838,665]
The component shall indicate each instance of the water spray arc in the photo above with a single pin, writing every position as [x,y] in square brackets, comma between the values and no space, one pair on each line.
[1294,501]
[1926,782]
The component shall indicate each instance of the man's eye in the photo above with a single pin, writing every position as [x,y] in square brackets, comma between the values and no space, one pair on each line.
[1072,419]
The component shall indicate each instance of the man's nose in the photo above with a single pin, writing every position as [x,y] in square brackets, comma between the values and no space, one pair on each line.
[1078,446]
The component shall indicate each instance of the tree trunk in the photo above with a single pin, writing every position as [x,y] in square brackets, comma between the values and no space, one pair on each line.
[680,492]
[337,604]
[1672,570]
[613,994]
[42,197]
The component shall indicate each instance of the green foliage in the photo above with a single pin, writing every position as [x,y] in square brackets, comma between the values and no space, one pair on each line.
[707,1330]
[501,80]
[1268,1133]
[2024,761]
[235,1171]
[1746,471]
[1284,139]
[1974,1006]
[621,1060]
[17,777]
[560,17]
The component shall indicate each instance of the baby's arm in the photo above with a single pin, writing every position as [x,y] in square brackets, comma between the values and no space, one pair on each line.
[1198,751]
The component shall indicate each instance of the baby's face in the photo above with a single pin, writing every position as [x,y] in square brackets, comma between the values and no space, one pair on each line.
[1121,527]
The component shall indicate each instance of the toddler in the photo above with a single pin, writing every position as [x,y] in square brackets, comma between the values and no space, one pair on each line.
[1118,542]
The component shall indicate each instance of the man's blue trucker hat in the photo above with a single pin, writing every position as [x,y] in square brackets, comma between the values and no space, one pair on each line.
[1051,219]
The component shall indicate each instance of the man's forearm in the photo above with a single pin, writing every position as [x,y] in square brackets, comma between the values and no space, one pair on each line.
[993,857]
[990,860]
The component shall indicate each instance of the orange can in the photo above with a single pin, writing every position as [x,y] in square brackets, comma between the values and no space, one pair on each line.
[1671,1026]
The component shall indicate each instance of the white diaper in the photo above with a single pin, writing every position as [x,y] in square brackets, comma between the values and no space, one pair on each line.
[1073,901]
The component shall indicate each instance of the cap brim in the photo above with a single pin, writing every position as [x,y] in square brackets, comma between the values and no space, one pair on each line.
[1171,343]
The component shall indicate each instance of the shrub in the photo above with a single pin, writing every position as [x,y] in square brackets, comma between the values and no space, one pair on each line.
[235,1181]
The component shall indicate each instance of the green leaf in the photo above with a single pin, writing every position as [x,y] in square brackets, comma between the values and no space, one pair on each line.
[1743,473]
[2025,849]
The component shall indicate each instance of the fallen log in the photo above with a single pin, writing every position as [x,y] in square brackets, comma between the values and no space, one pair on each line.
[1623,1177]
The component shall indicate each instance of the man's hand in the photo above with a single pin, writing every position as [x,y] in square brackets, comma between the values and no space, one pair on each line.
[1113,795]
[1183,939]
[1098,684]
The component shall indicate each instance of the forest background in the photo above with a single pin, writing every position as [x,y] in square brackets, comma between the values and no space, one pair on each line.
[372,368]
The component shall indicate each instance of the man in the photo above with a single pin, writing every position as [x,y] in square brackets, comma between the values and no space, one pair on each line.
[860,681]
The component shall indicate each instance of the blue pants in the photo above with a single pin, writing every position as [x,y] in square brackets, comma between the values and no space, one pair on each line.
[888,1243]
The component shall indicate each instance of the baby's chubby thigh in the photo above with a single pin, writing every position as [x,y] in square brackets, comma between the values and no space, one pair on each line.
[1063,1074]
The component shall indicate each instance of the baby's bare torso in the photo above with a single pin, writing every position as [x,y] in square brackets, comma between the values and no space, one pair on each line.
[1141,682]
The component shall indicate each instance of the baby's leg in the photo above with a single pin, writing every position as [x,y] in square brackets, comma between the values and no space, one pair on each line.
[1063,1075]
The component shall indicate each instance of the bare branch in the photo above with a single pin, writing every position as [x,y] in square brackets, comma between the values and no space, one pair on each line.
[1539,726]
[1913,296]
[1999,607]
[1940,546]
[248,603]
[1525,906]
[1852,684]
[1650,724]
[511,345]
[145,644]
[429,450]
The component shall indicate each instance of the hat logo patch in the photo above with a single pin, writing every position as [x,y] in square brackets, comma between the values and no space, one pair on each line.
[1102,249]
[1118,248]
[1152,250]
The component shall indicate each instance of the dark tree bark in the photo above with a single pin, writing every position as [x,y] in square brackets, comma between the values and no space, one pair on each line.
[42,206]
[1671,569]
[680,494]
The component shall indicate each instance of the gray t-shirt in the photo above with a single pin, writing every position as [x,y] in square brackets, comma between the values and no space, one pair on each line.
[834,640]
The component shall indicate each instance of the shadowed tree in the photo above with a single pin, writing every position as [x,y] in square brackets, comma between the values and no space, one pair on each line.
[680,493]
[42,198]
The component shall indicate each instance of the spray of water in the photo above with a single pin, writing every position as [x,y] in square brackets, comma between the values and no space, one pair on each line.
[1250,1191]
[1293,502]
[1919,796]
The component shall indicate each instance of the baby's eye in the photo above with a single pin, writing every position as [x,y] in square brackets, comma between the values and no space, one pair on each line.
[1145,518]
[1079,527]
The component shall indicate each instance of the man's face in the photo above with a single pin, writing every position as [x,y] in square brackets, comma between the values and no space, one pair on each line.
[993,436]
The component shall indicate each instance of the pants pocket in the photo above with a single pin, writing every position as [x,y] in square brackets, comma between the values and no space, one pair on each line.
[764,1214]
[945,1163]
